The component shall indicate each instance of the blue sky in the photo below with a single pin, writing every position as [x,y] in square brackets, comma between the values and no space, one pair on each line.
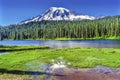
[15,11]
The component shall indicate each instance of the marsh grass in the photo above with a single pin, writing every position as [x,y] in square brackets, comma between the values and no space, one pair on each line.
[4,48]
[13,65]
[78,57]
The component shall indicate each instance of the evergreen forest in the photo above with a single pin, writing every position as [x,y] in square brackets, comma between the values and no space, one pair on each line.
[86,29]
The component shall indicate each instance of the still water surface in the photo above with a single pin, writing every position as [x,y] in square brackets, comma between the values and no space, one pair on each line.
[66,43]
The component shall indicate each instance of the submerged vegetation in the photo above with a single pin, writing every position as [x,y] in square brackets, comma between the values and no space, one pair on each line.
[105,28]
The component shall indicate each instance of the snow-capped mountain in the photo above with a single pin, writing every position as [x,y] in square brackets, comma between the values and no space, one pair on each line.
[100,17]
[59,13]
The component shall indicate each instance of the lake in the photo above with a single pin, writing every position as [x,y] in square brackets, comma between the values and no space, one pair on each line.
[3,53]
[66,43]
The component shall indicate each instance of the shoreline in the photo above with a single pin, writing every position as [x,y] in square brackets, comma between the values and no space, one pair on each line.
[60,39]
[88,74]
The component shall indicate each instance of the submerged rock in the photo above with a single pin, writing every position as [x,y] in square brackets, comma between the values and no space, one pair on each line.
[104,69]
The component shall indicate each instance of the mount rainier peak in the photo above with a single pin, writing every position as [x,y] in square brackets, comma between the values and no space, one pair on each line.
[58,13]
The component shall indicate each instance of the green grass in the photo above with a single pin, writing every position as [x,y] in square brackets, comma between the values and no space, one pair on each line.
[21,77]
[15,64]
[78,57]
[4,48]
[65,38]
[95,38]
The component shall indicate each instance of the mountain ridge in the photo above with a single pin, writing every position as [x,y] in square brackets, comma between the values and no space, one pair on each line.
[58,13]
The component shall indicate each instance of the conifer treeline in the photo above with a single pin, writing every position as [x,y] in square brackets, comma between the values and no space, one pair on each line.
[106,27]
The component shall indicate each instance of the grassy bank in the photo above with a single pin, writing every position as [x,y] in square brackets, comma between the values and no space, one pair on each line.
[19,65]
[78,57]
[95,38]
[65,38]
[4,48]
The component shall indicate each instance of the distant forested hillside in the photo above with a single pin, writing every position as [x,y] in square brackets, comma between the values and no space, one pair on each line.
[103,28]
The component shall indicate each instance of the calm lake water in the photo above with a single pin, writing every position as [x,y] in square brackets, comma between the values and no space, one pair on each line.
[67,43]
[3,53]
